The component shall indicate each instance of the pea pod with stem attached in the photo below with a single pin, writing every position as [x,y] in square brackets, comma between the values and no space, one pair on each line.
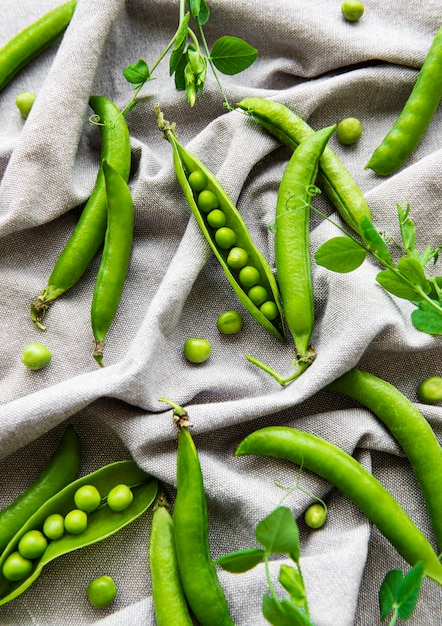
[115,260]
[409,427]
[292,248]
[90,230]
[333,177]
[102,522]
[61,469]
[354,481]
[411,125]
[198,575]
[243,264]
[32,40]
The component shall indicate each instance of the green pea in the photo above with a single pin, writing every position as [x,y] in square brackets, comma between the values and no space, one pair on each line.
[32,544]
[16,567]
[430,389]
[225,237]
[87,498]
[36,356]
[120,497]
[352,10]
[315,515]
[198,180]
[249,276]
[53,526]
[229,322]
[101,591]
[237,258]
[24,102]
[207,201]
[75,522]
[258,294]
[216,218]
[269,309]
[349,130]
[197,350]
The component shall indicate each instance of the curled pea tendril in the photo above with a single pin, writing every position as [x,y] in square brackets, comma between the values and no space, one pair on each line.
[312,191]
[94,120]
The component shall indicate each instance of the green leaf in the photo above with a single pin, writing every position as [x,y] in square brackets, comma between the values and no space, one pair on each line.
[413,271]
[279,533]
[283,613]
[291,580]
[137,73]
[392,282]
[241,560]
[180,44]
[180,81]
[340,254]
[389,591]
[408,229]
[194,6]
[231,55]
[427,318]
[410,590]
[374,240]
[204,13]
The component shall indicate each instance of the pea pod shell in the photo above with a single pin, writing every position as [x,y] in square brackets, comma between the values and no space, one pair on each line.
[184,160]
[355,482]
[61,469]
[333,177]
[102,522]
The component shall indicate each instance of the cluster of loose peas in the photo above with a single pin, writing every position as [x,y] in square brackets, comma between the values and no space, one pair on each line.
[33,544]
[226,239]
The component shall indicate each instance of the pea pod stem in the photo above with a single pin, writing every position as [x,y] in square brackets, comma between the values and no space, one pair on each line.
[354,481]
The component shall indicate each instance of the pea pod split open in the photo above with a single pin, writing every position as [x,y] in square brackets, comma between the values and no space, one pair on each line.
[355,482]
[185,164]
[102,522]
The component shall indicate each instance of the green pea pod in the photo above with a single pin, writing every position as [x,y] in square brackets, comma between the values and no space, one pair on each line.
[198,575]
[90,230]
[61,469]
[115,260]
[409,427]
[31,41]
[102,522]
[185,163]
[411,125]
[333,177]
[355,482]
[167,590]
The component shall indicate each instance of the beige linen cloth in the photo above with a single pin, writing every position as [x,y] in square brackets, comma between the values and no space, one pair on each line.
[324,68]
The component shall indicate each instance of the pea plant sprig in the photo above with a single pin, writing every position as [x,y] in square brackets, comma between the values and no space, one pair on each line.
[408,278]
[190,56]
[399,593]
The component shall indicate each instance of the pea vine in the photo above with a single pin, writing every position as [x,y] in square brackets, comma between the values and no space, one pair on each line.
[408,278]
[190,55]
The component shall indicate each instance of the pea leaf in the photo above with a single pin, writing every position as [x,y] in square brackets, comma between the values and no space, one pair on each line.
[410,590]
[392,282]
[340,254]
[291,580]
[137,73]
[241,560]
[180,44]
[203,14]
[231,55]
[427,318]
[408,229]
[374,240]
[194,6]
[279,533]
[412,269]
[180,82]
[283,612]
[389,591]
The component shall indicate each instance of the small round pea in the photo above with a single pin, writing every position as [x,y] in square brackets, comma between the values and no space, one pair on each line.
[24,102]
[349,130]
[430,389]
[216,218]
[101,591]
[258,294]
[120,497]
[225,237]
[315,515]
[87,498]
[75,522]
[16,567]
[36,356]
[269,309]
[352,10]
[249,276]
[53,526]
[207,201]
[32,544]
[237,258]
[198,180]
[197,350]
[229,322]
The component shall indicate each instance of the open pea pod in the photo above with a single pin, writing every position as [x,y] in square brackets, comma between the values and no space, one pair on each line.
[185,163]
[102,522]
